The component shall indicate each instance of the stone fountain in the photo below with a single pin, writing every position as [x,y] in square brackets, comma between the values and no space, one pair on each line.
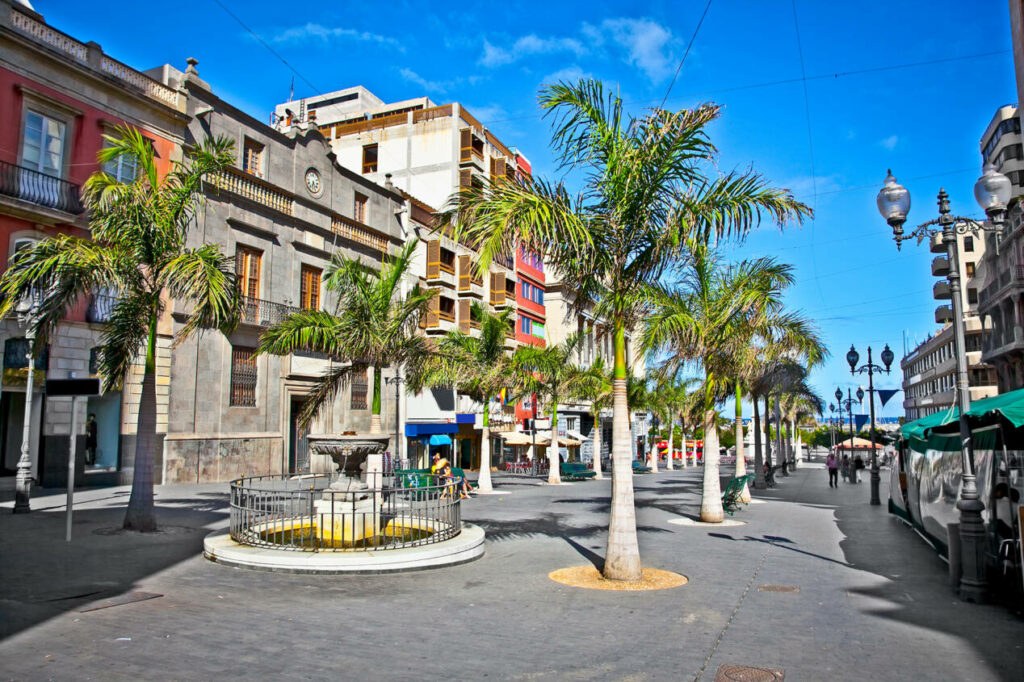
[349,511]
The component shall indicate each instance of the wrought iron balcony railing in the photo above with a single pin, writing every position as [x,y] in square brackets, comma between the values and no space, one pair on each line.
[260,313]
[39,188]
[100,308]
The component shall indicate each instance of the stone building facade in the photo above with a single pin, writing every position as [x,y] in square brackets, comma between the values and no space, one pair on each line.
[283,213]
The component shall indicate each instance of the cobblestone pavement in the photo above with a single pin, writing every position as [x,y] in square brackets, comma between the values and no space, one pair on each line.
[872,600]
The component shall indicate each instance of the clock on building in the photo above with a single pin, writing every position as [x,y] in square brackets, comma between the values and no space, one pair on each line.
[313,183]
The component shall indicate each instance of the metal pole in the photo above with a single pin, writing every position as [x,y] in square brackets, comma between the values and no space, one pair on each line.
[849,408]
[398,430]
[876,476]
[71,468]
[780,454]
[23,479]
[973,581]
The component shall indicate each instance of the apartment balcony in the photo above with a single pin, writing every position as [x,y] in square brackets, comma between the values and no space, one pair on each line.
[940,291]
[27,191]
[943,314]
[471,287]
[1009,278]
[998,343]
[940,266]
[935,243]
[443,275]
[256,312]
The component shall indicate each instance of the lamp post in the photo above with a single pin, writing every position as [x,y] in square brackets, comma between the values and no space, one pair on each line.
[853,357]
[397,457]
[848,404]
[28,310]
[992,192]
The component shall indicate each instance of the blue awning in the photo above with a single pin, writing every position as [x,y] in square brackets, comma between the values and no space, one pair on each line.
[465,419]
[439,439]
[429,429]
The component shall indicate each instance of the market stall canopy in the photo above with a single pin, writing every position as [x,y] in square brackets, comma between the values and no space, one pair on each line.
[515,438]
[565,441]
[858,444]
[1009,406]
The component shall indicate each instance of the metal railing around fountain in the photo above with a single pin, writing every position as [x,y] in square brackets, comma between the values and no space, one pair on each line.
[280,512]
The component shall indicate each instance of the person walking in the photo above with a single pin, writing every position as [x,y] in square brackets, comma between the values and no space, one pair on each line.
[90,440]
[832,463]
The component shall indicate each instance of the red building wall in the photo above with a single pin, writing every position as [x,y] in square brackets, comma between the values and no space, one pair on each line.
[84,141]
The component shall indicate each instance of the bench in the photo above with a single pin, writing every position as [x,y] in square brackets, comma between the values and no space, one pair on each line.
[639,468]
[574,471]
[733,490]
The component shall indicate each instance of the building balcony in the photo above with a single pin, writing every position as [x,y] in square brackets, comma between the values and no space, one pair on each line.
[28,186]
[256,312]
[1001,342]
[252,188]
[940,266]
[940,291]
[943,314]
[101,306]
[441,275]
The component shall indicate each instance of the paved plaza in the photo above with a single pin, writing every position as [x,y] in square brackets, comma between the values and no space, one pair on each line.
[851,595]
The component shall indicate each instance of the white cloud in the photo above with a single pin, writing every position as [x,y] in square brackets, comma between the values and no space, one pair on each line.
[489,114]
[647,45]
[428,85]
[568,74]
[890,142]
[643,43]
[326,34]
[495,56]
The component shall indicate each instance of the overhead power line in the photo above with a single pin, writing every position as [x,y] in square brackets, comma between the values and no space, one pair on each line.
[269,48]
[688,46]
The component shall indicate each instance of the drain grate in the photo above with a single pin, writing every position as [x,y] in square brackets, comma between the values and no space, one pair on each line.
[731,672]
[120,600]
[778,588]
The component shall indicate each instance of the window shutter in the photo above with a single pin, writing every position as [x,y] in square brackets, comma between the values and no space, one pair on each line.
[465,178]
[465,144]
[464,277]
[434,311]
[499,168]
[433,259]
[498,288]
[464,313]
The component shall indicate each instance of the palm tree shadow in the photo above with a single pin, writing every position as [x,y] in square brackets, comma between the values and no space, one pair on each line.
[588,554]
[774,541]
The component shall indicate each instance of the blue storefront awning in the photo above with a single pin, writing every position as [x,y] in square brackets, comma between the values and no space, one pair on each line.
[439,439]
[429,429]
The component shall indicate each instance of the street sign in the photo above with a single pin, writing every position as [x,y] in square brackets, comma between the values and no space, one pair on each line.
[72,387]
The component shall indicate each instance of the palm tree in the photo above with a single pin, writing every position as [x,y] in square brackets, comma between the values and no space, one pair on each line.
[646,190]
[551,372]
[139,231]
[707,320]
[373,325]
[478,367]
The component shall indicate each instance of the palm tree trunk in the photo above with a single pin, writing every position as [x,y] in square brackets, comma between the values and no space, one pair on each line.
[741,463]
[597,445]
[554,475]
[711,501]
[654,451]
[792,444]
[759,481]
[767,431]
[671,432]
[483,481]
[778,435]
[140,515]
[622,557]
[375,405]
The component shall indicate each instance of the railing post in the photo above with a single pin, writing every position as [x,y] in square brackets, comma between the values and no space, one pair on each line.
[94,55]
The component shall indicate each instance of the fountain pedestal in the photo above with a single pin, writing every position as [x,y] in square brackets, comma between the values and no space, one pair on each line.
[349,511]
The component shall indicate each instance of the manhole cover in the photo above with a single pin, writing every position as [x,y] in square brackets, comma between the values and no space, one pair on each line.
[730,672]
[778,588]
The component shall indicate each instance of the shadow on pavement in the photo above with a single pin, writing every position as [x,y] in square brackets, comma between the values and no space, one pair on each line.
[42,576]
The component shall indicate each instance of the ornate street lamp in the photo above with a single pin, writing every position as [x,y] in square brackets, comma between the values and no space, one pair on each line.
[992,192]
[887,357]
[848,404]
[860,395]
[28,312]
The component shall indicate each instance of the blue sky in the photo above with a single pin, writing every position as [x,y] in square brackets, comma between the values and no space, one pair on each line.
[923,121]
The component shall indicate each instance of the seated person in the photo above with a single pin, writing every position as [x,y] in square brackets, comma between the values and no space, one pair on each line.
[439,464]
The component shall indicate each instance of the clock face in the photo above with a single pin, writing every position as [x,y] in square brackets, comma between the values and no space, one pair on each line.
[313,181]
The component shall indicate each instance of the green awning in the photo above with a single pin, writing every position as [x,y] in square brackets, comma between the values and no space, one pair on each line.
[1008,405]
